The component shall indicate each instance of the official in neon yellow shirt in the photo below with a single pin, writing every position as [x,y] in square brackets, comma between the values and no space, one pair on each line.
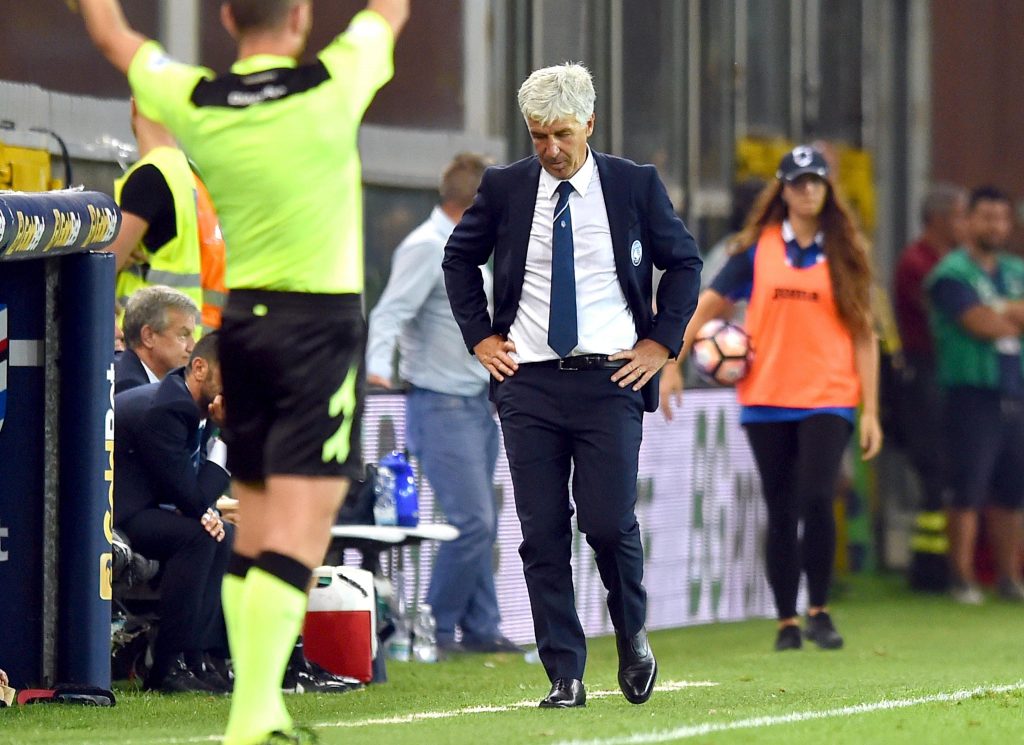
[276,144]
[157,196]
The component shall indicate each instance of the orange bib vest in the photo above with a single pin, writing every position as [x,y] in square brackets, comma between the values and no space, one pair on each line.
[803,353]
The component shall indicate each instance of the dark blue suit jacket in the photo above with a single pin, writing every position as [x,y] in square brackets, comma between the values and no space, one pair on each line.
[156,434]
[639,209]
[129,372]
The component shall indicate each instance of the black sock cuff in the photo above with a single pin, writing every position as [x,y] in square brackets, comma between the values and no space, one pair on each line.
[239,565]
[286,569]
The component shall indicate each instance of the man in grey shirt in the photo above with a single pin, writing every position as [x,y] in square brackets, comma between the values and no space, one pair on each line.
[449,424]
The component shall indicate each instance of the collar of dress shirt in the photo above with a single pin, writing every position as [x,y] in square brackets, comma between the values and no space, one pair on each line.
[441,222]
[789,236]
[580,180]
[149,373]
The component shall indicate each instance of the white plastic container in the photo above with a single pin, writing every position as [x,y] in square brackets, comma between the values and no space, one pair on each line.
[340,631]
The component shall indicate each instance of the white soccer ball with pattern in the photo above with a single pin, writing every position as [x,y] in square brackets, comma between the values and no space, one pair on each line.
[721,352]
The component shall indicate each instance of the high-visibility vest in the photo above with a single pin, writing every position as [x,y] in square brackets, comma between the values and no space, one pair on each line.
[176,263]
[803,353]
[212,258]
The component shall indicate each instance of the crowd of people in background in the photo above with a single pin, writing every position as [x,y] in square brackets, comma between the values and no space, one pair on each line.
[959,294]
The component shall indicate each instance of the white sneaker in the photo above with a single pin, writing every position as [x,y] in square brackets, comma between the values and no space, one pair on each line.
[966,593]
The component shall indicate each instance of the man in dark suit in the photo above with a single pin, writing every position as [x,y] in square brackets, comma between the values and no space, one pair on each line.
[159,330]
[574,349]
[167,477]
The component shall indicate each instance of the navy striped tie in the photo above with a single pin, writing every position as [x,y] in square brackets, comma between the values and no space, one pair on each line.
[562,333]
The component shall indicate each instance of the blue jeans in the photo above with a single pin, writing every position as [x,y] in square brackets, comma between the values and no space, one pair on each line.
[455,439]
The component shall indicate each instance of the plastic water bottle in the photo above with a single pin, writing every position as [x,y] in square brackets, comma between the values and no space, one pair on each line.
[424,635]
[384,508]
[398,642]
[407,496]
[397,498]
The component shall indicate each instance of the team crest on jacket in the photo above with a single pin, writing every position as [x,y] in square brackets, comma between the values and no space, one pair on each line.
[636,253]
[3,364]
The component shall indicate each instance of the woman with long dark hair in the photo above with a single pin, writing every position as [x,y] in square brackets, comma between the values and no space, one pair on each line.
[804,268]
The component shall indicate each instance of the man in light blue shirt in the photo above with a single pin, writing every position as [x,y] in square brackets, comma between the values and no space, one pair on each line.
[449,424]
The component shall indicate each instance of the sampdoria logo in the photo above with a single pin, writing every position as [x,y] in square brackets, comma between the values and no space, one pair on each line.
[3,363]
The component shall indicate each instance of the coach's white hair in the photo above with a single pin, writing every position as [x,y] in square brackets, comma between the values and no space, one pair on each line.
[557,92]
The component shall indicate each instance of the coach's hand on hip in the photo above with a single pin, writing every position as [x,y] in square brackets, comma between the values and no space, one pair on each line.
[645,359]
[493,353]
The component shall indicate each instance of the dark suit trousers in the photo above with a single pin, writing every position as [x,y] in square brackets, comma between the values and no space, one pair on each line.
[555,423]
[193,565]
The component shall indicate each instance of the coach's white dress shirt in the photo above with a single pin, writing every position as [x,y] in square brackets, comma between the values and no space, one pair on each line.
[604,321]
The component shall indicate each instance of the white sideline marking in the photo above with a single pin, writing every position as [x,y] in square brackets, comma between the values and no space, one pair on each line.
[671,685]
[802,716]
[679,733]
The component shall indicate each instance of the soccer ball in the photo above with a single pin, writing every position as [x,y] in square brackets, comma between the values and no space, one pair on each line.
[721,352]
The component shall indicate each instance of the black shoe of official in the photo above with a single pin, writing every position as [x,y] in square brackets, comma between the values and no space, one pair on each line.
[637,667]
[179,679]
[493,645]
[821,631]
[788,638]
[565,693]
[309,677]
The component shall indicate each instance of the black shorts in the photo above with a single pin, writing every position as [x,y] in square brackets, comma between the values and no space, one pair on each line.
[985,448]
[292,367]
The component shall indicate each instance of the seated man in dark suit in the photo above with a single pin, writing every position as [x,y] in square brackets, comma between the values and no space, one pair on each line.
[165,486]
[159,333]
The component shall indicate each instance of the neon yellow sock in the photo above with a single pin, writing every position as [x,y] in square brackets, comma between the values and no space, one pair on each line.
[231,599]
[271,612]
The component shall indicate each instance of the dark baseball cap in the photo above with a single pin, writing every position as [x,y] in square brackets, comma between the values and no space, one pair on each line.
[800,160]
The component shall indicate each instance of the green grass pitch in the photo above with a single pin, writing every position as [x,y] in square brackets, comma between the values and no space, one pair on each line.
[916,669]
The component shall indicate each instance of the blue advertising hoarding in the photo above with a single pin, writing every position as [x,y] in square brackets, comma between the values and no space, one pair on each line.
[21,470]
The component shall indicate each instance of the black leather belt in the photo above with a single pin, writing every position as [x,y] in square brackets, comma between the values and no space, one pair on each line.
[582,362]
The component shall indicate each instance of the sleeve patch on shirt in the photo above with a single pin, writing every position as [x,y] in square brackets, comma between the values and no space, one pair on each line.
[158,61]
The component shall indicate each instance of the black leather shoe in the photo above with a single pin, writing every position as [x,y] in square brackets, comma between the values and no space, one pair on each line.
[450,648]
[211,676]
[565,694]
[179,679]
[221,666]
[637,667]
